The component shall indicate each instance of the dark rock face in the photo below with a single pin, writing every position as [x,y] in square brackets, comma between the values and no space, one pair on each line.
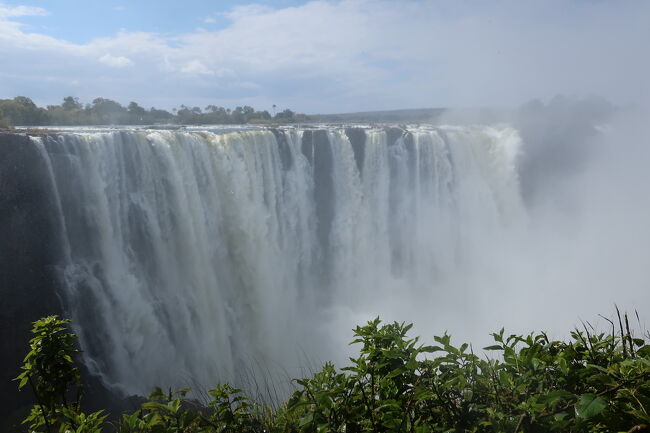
[357,137]
[393,134]
[27,258]
[285,151]
[29,282]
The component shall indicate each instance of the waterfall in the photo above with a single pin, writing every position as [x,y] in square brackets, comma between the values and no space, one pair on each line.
[197,256]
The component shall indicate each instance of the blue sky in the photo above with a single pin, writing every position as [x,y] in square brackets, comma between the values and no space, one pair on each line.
[325,55]
[82,21]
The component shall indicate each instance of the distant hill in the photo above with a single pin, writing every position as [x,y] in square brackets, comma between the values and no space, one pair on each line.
[406,115]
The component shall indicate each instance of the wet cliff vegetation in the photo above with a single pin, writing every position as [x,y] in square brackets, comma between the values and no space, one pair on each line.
[24,112]
[593,382]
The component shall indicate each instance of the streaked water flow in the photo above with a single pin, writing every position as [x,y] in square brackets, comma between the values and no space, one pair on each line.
[193,256]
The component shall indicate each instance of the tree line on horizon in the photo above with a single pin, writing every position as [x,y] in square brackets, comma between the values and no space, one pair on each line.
[22,111]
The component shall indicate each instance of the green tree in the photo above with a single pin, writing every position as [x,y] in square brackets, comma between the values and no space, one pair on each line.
[238,115]
[70,103]
[106,111]
[22,111]
[285,115]
[160,116]
[136,114]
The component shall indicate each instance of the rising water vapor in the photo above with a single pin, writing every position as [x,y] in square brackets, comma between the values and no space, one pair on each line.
[582,178]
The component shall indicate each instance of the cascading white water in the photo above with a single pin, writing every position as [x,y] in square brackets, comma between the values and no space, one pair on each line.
[193,257]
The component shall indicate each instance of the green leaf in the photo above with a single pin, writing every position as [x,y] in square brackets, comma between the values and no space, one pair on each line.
[560,416]
[430,349]
[590,405]
[306,419]
[493,347]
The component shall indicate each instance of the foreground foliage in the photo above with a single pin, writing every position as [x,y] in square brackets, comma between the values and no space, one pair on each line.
[595,382]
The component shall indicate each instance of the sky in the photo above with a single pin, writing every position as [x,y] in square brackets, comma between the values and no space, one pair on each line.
[325,56]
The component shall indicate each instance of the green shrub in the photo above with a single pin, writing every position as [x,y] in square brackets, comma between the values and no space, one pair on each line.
[50,371]
[5,123]
[591,383]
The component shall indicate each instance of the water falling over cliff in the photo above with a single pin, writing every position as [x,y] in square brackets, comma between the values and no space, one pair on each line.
[196,256]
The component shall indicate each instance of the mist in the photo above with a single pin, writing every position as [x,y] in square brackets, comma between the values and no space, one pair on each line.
[581,246]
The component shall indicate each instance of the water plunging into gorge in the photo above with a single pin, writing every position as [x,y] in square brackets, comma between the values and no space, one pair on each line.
[195,256]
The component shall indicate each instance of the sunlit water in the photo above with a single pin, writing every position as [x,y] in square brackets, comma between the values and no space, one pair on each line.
[194,256]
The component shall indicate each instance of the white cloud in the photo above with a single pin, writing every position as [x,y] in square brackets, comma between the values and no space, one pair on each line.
[353,55]
[243,11]
[209,20]
[115,61]
[196,67]
[21,11]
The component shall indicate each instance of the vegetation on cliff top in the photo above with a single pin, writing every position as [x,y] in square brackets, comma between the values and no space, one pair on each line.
[595,382]
[23,111]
